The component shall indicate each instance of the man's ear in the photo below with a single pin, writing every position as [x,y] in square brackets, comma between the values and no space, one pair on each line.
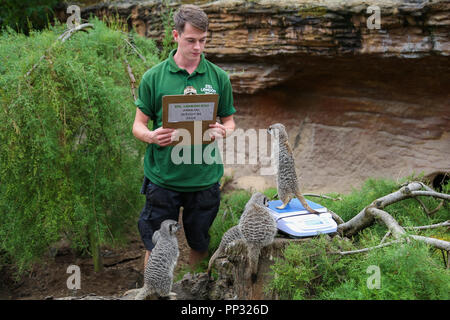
[175,34]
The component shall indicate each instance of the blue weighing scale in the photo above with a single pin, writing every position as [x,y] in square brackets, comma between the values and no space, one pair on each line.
[295,221]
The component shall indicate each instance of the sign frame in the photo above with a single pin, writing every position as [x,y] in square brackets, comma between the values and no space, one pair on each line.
[191,124]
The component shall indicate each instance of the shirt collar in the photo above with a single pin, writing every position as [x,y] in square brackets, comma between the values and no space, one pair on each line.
[173,67]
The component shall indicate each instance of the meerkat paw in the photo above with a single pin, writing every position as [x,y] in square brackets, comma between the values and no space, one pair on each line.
[282,206]
[141,295]
[132,291]
[314,212]
[172,296]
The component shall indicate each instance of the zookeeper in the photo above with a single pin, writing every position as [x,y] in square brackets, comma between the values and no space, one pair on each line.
[169,186]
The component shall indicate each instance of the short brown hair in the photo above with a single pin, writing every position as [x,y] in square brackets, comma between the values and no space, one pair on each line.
[192,14]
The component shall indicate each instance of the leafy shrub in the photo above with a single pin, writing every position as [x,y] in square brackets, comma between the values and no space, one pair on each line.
[412,270]
[69,164]
[408,271]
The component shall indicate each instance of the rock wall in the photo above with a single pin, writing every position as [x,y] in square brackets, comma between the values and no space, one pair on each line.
[357,102]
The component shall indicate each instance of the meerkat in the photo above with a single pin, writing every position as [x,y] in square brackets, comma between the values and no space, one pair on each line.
[287,183]
[232,234]
[258,229]
[158,274]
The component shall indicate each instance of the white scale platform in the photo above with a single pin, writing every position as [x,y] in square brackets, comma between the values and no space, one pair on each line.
[295,221]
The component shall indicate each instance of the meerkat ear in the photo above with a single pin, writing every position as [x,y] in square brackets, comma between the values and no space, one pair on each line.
[155,237]
[174,228]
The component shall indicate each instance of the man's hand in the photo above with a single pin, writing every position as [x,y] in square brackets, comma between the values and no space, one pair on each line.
[161,136]
[217,130]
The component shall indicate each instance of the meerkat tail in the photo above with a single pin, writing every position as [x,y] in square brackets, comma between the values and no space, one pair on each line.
[131,292]
[302,200]
[253,256]
[172,296]
[211,261]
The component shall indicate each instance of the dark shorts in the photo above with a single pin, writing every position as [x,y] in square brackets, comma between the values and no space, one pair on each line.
[199,211]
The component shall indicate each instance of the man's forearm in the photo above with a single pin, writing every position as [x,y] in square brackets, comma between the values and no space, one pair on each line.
[142,133]
[229,125]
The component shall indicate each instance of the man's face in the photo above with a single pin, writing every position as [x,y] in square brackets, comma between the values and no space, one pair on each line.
[191,42]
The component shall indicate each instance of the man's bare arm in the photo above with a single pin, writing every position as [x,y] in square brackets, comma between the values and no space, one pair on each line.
[160,136]
[224,129]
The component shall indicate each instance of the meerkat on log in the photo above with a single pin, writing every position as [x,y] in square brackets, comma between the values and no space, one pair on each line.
[258,229]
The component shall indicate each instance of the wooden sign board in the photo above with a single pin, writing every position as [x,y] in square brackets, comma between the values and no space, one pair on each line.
[193,112]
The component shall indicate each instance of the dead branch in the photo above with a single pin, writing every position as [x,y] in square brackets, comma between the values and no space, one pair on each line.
[343,253]
[427,211]
[322,196]
[364,219]
[438,243]
[431,226]
[135,50]
[392,224]
[431,194]
[35,65]
[398,232]
[132,80]
[63,37]
[385,236]
[68,33]
[367,216]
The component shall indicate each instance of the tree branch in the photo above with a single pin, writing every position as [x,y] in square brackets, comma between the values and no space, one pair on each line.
[322,196]
[68,33]
[363,220]
[135,50]
[431,194]
[63,37]
[132,80]
[367,216]
[392,224]
[431,226]
[440,244]
[343,253]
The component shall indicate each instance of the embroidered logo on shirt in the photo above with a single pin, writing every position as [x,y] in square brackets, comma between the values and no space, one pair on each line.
[208,89]
[190,90]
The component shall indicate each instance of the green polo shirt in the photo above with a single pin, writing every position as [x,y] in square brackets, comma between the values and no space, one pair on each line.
[167,78]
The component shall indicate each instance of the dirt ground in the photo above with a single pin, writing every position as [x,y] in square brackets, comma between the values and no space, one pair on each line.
[123,270]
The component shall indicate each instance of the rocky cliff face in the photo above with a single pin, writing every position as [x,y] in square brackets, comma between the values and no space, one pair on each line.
[361,97]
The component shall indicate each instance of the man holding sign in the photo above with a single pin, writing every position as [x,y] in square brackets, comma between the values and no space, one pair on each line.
[168,185]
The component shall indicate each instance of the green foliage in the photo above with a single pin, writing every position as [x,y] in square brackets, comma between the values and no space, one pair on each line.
[312,270]
[69,163]
[309,271]
[25,15]
[408,272]
[167,20]
[307,268]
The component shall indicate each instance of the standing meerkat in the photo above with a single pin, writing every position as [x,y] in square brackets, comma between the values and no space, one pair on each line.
[287,183]
[258,229]
[158,274]
[232,234]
